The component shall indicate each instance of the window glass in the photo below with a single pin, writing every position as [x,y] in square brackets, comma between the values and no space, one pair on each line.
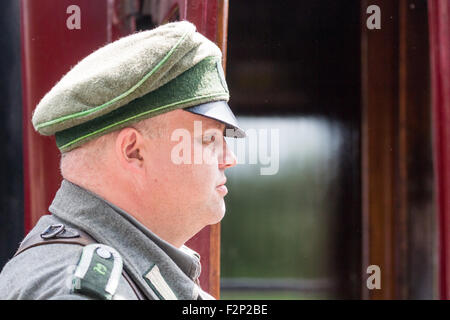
[277,231]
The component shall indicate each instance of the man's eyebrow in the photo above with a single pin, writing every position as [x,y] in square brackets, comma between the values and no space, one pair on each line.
[215,125]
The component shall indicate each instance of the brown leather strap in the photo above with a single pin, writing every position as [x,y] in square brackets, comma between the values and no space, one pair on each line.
[83,240]
[133,286]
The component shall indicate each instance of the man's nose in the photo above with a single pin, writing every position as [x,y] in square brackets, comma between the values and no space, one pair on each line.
[228,158]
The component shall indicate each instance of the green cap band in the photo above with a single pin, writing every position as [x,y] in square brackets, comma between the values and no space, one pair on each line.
[202,83]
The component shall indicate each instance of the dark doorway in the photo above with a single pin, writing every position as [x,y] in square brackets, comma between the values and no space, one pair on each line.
[294,67]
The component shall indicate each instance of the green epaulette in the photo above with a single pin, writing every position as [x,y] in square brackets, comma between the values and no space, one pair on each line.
[98,272]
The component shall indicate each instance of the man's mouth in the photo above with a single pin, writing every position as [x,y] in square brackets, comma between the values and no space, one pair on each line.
[222,188]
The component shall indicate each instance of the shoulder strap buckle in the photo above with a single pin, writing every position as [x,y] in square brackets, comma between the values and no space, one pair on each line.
[59,231]
[52,231]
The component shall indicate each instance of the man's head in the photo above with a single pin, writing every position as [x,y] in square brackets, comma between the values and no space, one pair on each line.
[135,169]
[141,122]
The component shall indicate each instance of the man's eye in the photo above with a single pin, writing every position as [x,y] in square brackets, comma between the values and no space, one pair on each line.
[209,139]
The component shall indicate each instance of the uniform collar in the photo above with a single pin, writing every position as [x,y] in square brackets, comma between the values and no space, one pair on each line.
[140,248]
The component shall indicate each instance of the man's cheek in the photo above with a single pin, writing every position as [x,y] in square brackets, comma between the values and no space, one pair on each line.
[210,156]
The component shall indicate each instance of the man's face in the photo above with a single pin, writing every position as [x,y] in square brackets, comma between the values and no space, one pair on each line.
[186,169]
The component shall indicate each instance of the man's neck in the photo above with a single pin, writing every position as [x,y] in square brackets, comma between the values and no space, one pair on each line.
[173,232]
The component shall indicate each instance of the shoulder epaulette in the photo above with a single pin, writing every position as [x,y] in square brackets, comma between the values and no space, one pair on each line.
[98,272]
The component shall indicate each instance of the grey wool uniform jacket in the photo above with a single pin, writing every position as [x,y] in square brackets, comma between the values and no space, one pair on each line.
[96,271]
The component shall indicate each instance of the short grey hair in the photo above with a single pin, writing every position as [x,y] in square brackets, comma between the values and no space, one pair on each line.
[91,153]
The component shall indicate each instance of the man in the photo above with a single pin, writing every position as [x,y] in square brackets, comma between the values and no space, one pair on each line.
[141,125]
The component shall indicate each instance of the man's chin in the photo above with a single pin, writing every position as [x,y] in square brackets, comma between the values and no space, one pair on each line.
[218,214]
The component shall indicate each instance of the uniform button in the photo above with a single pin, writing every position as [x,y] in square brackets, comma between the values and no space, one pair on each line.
[105,254]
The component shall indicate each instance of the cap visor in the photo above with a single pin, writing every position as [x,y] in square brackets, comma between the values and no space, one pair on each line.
[220,111]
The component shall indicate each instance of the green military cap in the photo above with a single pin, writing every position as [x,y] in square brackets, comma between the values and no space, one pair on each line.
[134,78]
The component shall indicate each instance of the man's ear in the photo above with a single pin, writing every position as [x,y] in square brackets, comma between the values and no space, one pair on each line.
[129,148]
